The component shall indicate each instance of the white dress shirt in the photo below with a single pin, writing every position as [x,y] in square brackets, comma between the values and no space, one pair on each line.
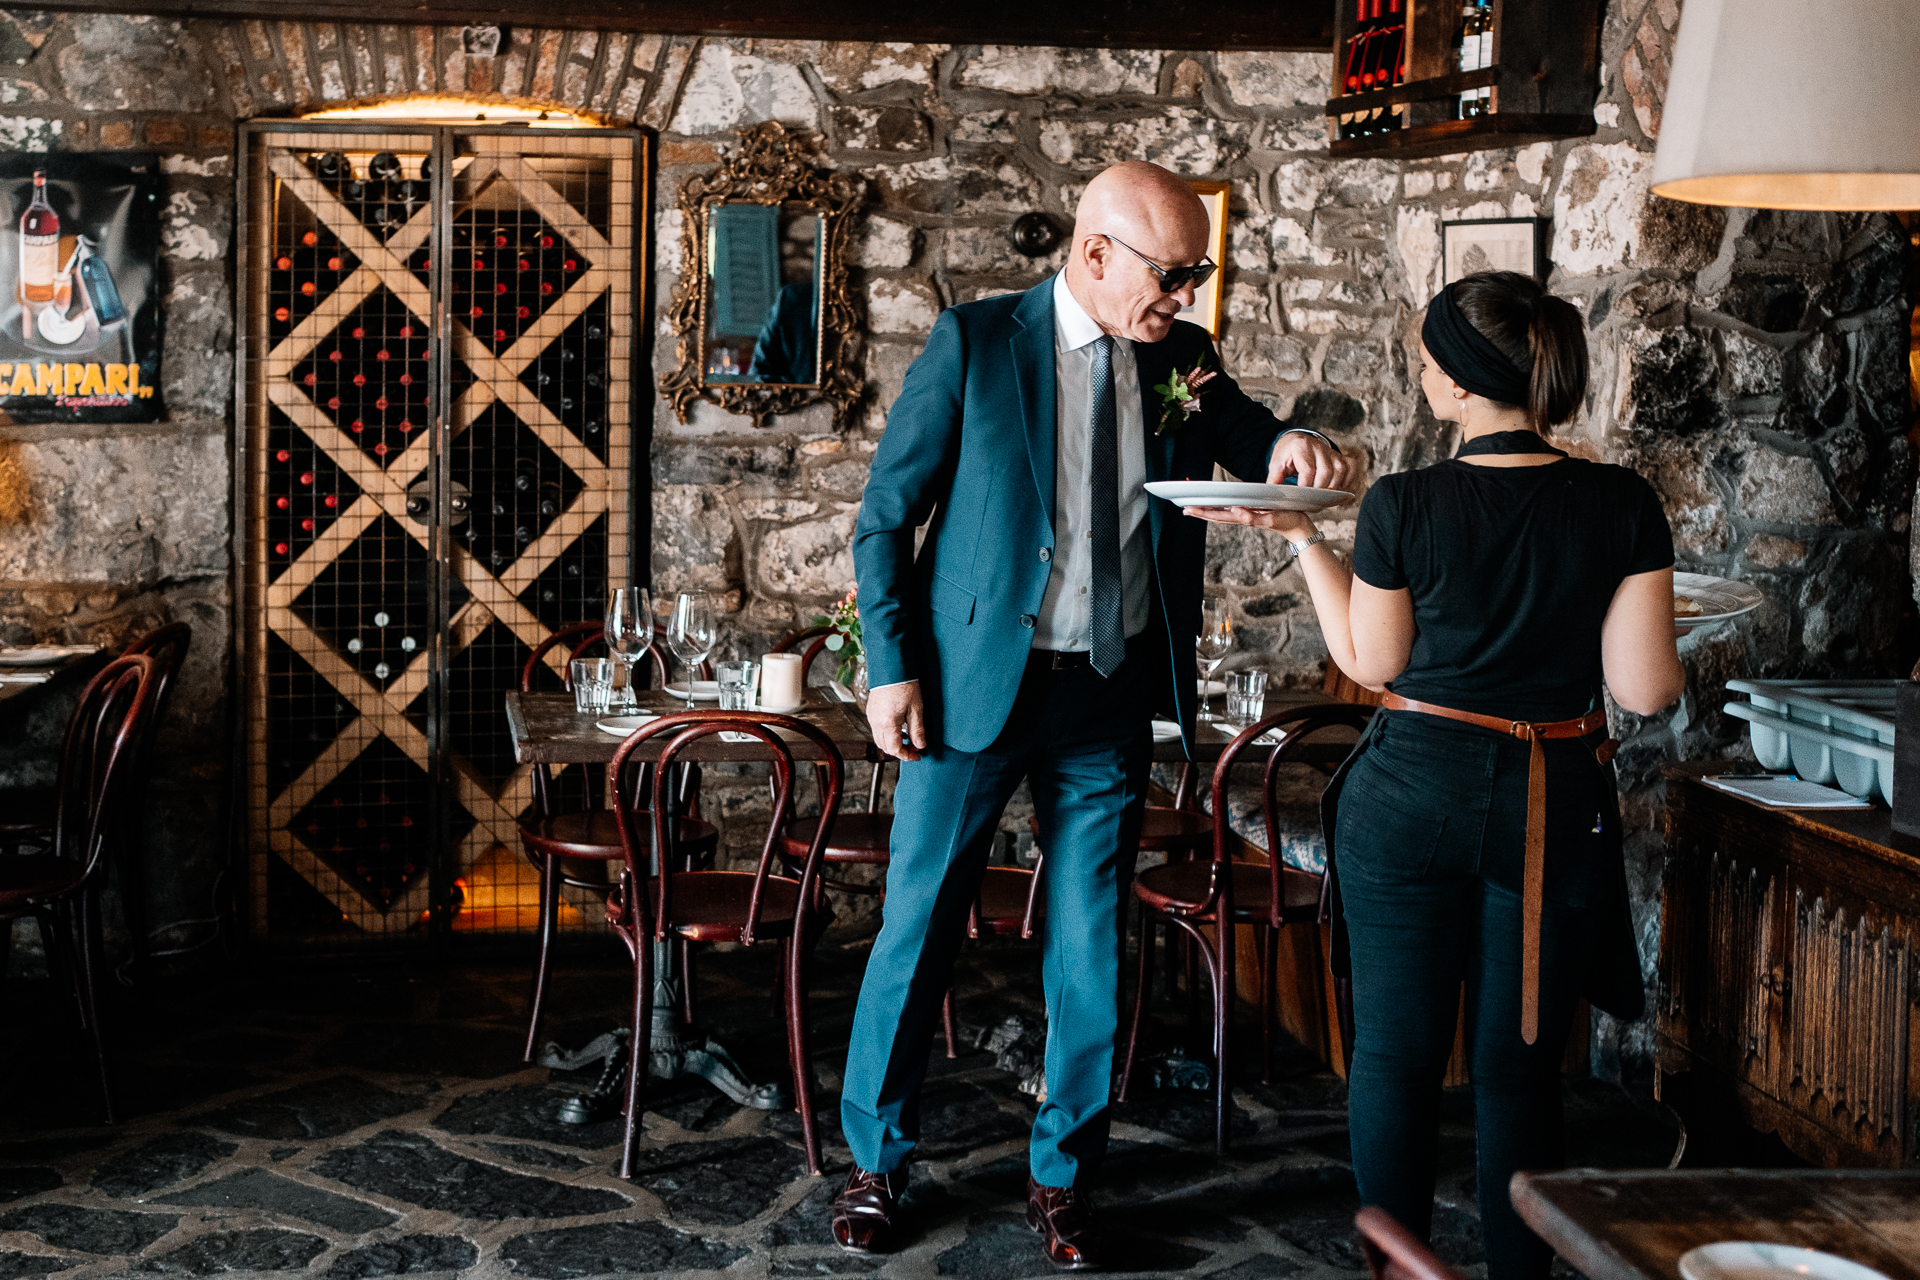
[1064,620]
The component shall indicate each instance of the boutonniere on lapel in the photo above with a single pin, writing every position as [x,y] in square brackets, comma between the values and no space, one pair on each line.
[1180,396]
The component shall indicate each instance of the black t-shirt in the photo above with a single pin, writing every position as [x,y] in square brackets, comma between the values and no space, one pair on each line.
[1511,570]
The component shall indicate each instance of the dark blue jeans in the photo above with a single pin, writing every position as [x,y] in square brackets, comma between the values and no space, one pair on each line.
[1430,838]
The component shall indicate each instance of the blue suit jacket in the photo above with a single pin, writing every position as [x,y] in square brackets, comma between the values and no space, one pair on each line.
[970,444]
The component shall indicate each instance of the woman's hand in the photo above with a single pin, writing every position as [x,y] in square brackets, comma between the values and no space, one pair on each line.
[1295,526]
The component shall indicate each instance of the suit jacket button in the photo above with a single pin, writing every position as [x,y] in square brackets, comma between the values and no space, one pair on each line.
[1046,553]
[1026,620]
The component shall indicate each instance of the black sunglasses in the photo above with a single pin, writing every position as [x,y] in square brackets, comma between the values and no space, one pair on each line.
[1171,278]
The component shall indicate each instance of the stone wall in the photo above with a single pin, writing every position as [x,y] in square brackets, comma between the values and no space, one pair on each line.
[1751,364]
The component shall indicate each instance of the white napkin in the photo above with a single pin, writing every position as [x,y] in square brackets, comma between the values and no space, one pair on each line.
[1165,731]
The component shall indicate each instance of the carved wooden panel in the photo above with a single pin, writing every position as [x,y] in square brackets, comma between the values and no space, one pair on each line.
[1787,973]
[1848,1014]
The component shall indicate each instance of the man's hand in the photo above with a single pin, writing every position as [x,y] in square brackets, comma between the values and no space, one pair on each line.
[1310,458]
[897,717]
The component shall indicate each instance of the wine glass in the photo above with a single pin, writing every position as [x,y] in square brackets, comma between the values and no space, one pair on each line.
[629,630]
[1210,647]
[692,631]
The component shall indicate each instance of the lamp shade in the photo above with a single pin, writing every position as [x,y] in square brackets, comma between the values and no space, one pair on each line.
[1793,104]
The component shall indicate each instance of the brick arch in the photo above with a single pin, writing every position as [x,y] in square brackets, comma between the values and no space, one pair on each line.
[281,68]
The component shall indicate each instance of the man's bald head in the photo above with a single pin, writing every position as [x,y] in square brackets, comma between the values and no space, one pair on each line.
[1130,212]
[1154,205]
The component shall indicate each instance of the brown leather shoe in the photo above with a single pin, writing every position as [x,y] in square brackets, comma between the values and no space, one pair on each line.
[1064,1221]
[863,1211]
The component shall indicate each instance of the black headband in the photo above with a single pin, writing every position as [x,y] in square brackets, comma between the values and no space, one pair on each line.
[1468,356]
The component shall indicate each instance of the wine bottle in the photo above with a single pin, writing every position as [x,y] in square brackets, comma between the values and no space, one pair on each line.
[333,169]
[385,166]
[1467,54]
[1484,58]
[39,244]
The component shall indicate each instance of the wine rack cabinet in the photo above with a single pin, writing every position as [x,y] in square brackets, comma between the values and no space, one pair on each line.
[1539,83]
[435,471]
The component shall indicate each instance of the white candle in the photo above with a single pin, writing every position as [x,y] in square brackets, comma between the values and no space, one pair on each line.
[780,682]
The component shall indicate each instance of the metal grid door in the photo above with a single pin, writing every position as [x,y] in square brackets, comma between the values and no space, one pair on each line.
[436,473]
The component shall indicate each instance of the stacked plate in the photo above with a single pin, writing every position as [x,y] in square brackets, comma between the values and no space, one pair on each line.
[1703,601]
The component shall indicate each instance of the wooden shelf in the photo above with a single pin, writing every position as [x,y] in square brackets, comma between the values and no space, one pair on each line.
[1414,91]
[1449,137]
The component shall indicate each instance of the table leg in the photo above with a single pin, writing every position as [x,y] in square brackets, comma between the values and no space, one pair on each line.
[674,1050]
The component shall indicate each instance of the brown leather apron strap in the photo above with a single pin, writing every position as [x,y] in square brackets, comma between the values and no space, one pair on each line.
[1534,876]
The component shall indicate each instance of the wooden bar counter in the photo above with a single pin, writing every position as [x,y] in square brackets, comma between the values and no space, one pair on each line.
[1787,976]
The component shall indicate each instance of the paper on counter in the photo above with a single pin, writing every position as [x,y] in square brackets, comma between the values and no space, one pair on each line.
[1783,791]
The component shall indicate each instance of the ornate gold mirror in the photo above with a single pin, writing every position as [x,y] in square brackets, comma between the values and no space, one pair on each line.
[765,320]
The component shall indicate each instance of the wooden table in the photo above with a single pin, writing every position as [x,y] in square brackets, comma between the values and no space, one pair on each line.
[1211,738]
[56,672]
[547,730]
[1635,1225]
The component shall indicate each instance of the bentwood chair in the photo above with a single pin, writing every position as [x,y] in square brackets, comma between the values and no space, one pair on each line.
[1395,1253]
[859,839]
[1009,904]
[27,814]
[572,841]
[1205,900]
[653,903]
[1179,832]
[100,765]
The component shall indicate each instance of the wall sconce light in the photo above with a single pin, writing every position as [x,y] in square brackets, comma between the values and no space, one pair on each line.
[1034,234]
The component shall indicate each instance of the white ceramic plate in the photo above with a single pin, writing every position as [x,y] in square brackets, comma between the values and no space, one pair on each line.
[1232,493]
[1718,598]
[1752,1260]
[40,657]
[703,690]
[621,726]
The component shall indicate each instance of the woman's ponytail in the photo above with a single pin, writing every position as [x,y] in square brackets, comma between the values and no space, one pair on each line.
[1536,331]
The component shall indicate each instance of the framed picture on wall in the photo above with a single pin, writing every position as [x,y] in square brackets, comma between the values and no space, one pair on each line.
[1493,244]
[1205,310]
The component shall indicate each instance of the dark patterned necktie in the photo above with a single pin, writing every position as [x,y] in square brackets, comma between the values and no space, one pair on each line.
[1107,645]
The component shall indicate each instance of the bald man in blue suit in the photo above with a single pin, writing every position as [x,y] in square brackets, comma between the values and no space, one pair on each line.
[1050,610]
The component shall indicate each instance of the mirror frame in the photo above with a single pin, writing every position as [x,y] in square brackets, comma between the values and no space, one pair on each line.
[772,166]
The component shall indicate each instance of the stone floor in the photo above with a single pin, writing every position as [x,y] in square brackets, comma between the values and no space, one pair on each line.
[347,1122]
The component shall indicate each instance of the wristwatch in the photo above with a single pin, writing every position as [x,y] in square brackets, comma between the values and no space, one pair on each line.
[1300,548]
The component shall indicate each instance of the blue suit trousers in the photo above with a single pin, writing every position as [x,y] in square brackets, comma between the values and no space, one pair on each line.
[1084,744]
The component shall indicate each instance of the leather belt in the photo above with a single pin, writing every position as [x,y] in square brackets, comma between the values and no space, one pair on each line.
[1062,659]
[1533,888]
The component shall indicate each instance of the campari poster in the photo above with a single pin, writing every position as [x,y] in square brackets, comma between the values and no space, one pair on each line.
[79,287]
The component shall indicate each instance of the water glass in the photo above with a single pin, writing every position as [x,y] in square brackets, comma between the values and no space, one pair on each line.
[739,685]
[1246,696]
[592,684]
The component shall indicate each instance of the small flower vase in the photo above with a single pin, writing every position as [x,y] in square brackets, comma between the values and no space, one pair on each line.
[857,692]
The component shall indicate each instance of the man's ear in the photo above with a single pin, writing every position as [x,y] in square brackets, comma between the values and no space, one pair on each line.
[1094,252]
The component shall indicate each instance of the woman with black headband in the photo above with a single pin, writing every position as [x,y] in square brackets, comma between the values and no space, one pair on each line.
[1476,829]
